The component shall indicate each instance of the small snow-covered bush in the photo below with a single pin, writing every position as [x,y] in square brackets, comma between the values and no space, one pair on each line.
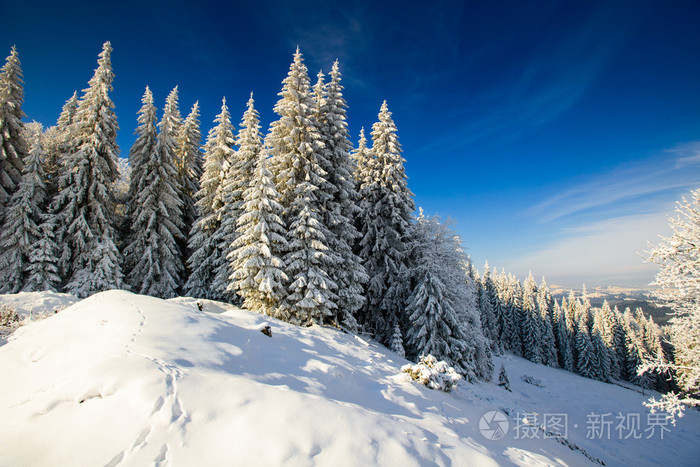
[534,381]
[433,373]
[8,316]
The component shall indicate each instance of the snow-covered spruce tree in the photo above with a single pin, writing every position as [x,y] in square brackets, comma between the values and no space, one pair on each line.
[512,300]
[564,340]
[587,363]
[635,351]
[298,161]
[396,344]
[258,269]
[443,319]
[503,380]
[498,305]
[13,147]
[679,284]
[485,301]
[530,327]
[385,218]
[55,142]
[609,327]
[545,304]
[189,163]
[618,331]
[22,216]
[342,208]
[206,256]
[157,216]
[571,309]
[363,159]
[602,351]
[141,152]
[42,268]
[90,261]
[236,181]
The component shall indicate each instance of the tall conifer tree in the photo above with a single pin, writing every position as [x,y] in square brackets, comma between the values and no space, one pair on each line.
[23,216]
[189,163]
[13,147]
[443,316]
[206,256]
[236,182]
[342,208]
[85,203]
[385,218]
[256,260]
[530,329]
[157,216]
[298,161]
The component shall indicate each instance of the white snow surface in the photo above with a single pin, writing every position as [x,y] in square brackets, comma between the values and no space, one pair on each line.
[124,379]
[34,305]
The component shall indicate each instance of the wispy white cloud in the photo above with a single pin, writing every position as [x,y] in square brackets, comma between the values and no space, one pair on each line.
[608,252]
[686,154]
[632,189]
[602,227]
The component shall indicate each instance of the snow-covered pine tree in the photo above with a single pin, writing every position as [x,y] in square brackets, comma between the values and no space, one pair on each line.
[530,327]
[620,341]
[587,363]
[678,281]
[55,141]
[609,327]
[342,208]
[499,309]
[635,350]
[141,152]
[564,340]
[385,219]
[362,159]
[396,344]
[298,161]
[22,217]
[189,163]
[157,216]
[503,380]
[236,181]
[545,304]
[512,314]
[13,147]
[488,319]
[90,261]
[42,268]
[652,339]
[571,309]
[443,318]
[173,101]
[602,351]
[206,256]
[258,269]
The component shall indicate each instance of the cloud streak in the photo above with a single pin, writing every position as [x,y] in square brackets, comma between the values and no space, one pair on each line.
[603,227]
[633,189]
[609,252]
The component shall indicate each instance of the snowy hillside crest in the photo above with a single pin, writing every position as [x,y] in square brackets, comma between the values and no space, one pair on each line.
[124,379]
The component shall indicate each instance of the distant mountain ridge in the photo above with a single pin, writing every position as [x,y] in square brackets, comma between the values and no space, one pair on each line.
[622,297]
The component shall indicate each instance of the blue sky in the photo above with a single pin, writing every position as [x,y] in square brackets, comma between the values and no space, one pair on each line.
[556,134]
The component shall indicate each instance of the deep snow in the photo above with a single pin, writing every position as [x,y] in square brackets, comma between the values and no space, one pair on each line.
[126,379]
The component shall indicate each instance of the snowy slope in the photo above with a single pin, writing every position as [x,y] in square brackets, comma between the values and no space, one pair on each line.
[593,410]
[125,379]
